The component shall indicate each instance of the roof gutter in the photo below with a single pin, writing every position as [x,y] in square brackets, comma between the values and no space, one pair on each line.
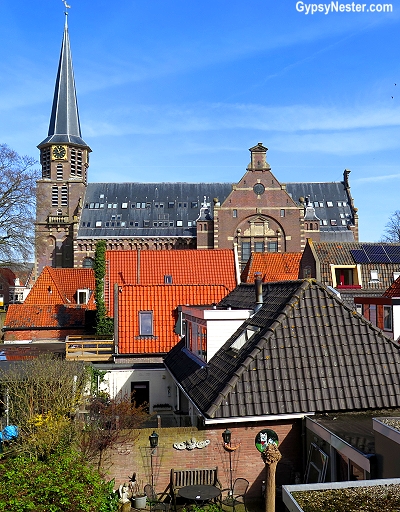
[244,419]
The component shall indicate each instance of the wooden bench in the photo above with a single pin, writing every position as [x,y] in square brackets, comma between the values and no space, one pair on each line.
[182,477]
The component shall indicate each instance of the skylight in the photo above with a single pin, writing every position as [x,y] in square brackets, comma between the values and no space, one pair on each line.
[244,337]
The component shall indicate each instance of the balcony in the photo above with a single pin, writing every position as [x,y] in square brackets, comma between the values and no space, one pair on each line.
[58,219]
[88,348]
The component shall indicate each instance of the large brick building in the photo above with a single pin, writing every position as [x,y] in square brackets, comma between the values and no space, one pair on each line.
[256,214]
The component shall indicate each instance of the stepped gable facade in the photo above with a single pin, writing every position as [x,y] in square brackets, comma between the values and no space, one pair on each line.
[256,214]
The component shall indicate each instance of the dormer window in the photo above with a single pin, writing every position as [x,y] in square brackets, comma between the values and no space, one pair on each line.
[82,296]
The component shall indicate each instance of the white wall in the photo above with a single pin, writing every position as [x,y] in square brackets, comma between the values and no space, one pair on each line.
[119,381]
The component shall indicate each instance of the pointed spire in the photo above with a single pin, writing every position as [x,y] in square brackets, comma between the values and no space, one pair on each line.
[64,124]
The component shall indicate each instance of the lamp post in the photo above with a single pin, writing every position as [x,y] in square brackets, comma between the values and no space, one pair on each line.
[227,436]
[153,446]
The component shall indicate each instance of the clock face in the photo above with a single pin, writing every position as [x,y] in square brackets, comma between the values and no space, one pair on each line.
[59,152]
[259,189]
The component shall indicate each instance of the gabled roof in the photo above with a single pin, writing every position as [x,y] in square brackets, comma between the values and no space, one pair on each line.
[59,286]
[205,267]
[163,301]
[52,316]
[346,253]
[311,354]
[393,290]
[274,266]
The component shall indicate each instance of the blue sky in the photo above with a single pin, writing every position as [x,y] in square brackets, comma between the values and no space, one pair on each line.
[179,90]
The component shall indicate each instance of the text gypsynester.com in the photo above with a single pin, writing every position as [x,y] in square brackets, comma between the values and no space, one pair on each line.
[333,7]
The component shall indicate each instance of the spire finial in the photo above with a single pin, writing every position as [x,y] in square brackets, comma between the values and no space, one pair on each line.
[66,6]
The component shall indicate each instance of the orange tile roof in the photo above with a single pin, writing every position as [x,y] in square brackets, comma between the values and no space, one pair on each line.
[31,316]
[274,266]
[59,286]
[163,301]
[186,266]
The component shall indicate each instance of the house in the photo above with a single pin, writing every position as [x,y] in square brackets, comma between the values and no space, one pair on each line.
[383,311]
[300,353]
[352,268]
[15,283]
[255,214]
[184,267]
[60,303]
[272,266]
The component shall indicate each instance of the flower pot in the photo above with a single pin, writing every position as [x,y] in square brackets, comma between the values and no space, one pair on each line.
[139,501]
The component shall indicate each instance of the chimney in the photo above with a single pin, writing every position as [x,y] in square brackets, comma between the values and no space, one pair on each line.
[259,291]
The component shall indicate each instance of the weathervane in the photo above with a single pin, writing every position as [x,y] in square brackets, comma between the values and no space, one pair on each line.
[66,5]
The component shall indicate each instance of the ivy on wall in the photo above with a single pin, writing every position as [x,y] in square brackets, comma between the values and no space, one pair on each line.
[104,324]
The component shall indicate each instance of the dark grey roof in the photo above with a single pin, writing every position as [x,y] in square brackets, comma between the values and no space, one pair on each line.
[311,354]
[64,124]
[327,199]
[146,209]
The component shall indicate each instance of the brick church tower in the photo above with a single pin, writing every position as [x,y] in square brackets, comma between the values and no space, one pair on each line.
[64,157]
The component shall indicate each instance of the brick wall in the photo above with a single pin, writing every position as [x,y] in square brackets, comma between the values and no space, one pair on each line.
[134,455]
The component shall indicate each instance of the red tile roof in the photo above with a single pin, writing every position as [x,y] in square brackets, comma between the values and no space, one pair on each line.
[162,300]
[274,266]
[59,286]
[185,266]
[393,290]
[31,316]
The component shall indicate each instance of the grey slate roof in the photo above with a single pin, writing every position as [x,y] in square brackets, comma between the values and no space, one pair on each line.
[64,124]
[165,209]
[311,354]
[328,199]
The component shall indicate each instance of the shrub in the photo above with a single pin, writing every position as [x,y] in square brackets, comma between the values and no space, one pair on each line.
[63,483]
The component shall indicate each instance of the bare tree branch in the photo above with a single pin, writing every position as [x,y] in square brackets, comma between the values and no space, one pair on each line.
[392,229]
[17,205]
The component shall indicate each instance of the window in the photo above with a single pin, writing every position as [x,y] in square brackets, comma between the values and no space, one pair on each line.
[137,205]
[307,272]
[329,204]
[109,205]
[179,223]
[54,196]
[88,263]
[98,223]
[344,222]
[258,246]
[246,251]
[171,204]
[96,205]
[387,318]
[324,222]
[194,204]
[339,203]
[282,213]
[333,222]
[359,309]
[115,205]
[316,204]
[82,296]
[143,205]
[124,205]
[374,276]
[59,172]
[272,246]
[234,214]
[244,337]
[167,279]
[145,323]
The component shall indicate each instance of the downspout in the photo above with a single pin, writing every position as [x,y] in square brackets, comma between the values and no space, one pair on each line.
[138,267]
[236,257]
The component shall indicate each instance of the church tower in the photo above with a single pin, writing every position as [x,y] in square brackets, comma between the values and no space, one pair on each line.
[64,157]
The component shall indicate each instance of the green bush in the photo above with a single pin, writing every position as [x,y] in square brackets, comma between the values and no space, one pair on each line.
[62,483]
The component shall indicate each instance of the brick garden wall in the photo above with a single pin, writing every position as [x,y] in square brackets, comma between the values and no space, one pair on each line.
[134,455]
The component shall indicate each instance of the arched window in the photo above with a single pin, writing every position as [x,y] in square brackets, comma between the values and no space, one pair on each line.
[88,263]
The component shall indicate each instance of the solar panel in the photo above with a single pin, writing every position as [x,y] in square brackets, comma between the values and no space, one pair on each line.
[376,254]
[393,251]
[359,256]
